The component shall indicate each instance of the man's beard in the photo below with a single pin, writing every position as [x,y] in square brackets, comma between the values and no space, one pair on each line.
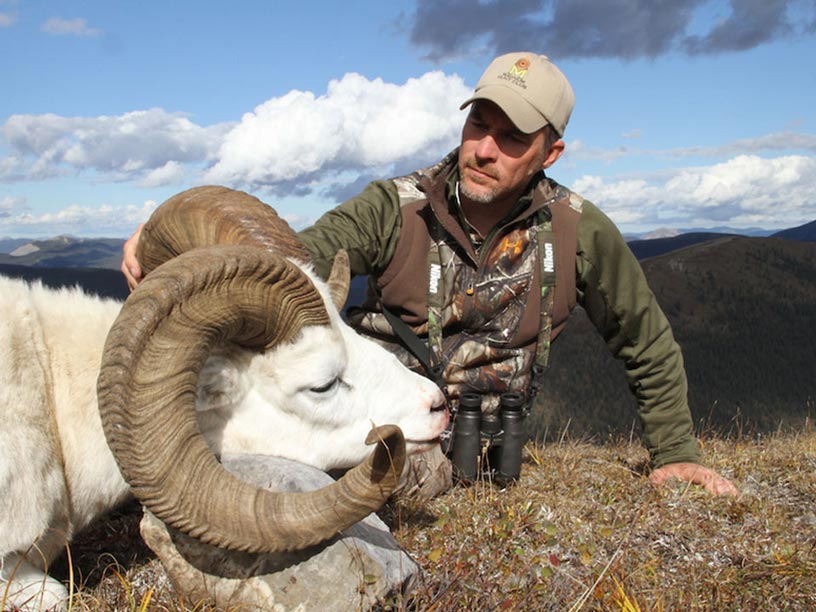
[480,196]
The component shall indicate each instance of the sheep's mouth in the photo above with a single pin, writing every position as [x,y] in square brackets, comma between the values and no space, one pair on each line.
[423,444]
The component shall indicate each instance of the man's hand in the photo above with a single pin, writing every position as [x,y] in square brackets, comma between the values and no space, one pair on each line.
[130,265]
[696,474]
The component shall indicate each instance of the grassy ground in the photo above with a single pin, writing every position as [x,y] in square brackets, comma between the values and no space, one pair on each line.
[583,530]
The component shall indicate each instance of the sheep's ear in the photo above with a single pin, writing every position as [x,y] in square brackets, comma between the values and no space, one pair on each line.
[339,279]
[220,384]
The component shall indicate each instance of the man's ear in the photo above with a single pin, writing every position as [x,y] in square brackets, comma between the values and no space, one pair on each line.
[556,150]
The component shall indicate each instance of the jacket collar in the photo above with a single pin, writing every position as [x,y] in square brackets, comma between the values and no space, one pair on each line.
[439,183]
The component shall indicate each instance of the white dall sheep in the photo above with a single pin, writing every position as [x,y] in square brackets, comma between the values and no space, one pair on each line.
[220,349]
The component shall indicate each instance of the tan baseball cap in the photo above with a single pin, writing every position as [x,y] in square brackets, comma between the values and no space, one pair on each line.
[530,90]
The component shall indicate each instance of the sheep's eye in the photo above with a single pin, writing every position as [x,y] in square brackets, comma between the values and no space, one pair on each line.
[327,387]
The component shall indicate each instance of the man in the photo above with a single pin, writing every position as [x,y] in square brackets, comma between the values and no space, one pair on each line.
[483,257]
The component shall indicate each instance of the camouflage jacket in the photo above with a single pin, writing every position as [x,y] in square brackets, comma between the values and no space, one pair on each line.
[491,304]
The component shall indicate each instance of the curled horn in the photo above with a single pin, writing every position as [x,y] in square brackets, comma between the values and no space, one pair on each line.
[155,350]
[213,215]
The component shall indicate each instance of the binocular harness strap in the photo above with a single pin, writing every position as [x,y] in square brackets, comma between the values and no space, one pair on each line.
[430,355]
[545,241]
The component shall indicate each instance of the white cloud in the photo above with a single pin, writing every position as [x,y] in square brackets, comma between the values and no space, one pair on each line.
[9,203]
[297,221]
[72,27]
[745,190]
[104,220]
[290,144]
[358,124]
[577,150]
[6,20]
[131,145]
[778,142]
[360,128]
[11,168]
[170,173]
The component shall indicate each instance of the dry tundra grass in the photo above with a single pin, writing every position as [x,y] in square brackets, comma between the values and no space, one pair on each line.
[583,530]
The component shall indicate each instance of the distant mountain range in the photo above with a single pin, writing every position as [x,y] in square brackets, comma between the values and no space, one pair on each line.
[668,232]
[62,252]
[7,245]
[652,247]
[72,252]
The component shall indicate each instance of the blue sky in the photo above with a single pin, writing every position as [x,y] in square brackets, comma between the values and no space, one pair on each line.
[689,113]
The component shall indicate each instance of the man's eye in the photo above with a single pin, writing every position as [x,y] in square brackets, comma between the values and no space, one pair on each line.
[327,387]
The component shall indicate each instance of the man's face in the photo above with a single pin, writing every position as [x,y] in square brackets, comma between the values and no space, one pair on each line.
[496,160]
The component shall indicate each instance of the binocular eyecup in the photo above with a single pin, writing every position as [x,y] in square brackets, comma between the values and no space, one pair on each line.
[488,444]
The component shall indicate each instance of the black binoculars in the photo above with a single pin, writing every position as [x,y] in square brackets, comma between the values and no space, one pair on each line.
[501,435]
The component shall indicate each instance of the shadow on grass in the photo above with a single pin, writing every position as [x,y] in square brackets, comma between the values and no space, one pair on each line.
[114,542]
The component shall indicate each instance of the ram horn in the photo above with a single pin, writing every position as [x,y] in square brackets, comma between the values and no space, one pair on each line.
[215,215]
[211,215]
[339,279]
[153,355]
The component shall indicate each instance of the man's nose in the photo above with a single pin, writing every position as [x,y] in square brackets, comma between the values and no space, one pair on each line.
[486,148]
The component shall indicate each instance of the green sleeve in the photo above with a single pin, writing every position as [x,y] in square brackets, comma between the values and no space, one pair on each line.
[366,226]
[613,290]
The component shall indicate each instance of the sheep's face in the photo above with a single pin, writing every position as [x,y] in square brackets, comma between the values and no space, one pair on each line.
[315,399]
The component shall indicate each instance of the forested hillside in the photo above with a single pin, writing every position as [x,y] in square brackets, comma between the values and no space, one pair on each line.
[99,281]
[744,312]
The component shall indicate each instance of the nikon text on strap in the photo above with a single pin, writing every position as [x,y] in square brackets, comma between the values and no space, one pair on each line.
[545,240]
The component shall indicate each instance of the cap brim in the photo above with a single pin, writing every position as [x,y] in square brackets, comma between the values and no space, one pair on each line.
[523,115]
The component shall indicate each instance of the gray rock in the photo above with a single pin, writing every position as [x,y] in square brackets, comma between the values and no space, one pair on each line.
[359,567]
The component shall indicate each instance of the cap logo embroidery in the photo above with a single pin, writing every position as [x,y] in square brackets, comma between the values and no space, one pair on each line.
[517,73]
[522,65]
